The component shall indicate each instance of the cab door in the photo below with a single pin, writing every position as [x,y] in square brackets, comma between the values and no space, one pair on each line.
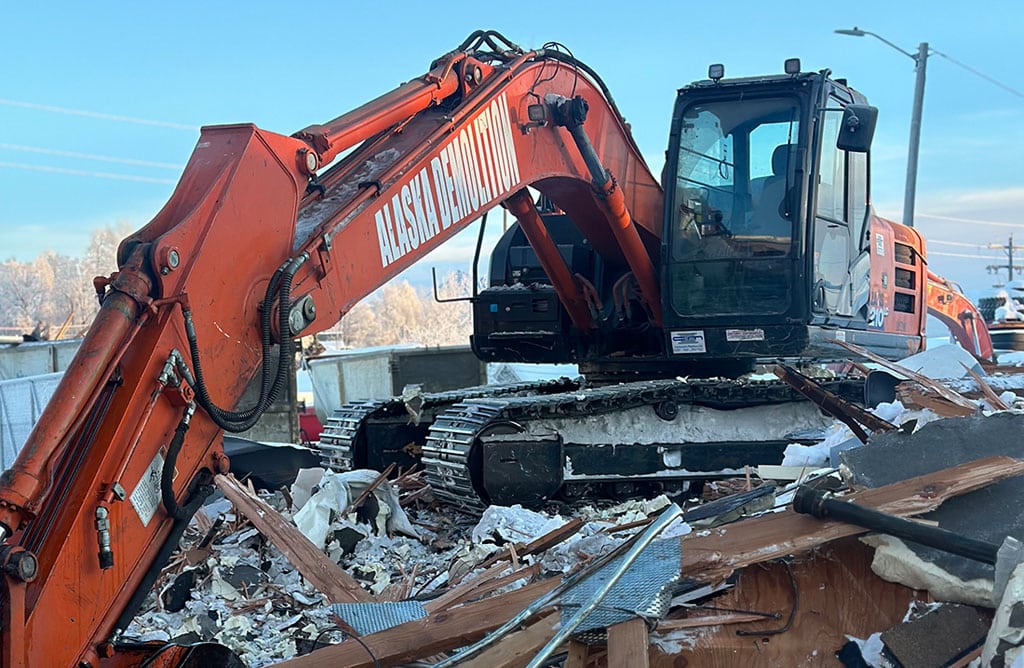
[839,266]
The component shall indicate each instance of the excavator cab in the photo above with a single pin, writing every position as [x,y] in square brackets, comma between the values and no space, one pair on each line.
[767,246]
[768,249]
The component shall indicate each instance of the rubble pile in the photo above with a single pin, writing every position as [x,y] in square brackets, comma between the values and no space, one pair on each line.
[805,563]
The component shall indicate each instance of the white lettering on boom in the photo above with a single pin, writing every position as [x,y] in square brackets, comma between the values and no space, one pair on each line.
[475,166]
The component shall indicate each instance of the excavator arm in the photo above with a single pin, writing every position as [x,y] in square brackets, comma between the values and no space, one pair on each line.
[947,303]
[267,237]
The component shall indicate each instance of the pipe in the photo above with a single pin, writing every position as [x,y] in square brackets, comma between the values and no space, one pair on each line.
[817,503]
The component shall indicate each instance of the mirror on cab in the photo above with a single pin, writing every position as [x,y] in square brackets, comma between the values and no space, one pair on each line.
[858,128]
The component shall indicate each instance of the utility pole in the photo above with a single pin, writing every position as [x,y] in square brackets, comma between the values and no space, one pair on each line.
[1009,266]
[921,61]
[915,135]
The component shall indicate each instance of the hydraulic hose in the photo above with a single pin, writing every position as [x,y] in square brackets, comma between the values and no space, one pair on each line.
[199,490]
[235,422]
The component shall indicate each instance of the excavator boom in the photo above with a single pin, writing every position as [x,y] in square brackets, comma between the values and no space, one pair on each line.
[260,243]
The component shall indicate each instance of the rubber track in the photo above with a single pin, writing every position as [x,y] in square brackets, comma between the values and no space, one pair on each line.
[344,425]
[449,446]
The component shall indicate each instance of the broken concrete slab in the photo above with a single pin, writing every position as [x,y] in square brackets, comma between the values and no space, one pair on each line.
[896,456]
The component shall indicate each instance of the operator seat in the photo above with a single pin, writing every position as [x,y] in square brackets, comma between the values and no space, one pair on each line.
[767,217]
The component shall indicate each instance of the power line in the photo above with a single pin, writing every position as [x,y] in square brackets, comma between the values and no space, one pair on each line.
[976,257]
[979,74]
[81,172]
[90,156]
[97,114]
[973,221]
[954,243]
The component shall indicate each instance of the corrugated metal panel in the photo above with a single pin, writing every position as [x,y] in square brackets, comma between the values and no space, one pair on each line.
[21,403]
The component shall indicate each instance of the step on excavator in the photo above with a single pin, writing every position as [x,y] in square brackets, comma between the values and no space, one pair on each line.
[758,244]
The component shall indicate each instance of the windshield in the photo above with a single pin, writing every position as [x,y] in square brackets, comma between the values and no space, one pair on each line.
[735,195]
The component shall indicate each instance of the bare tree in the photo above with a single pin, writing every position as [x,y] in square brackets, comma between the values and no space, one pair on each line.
[54,288]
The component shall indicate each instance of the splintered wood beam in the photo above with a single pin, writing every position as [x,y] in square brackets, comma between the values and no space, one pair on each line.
[438,632]
[484,584]
[913,395]
[627,644]
[538,545]
[846,412]
[986,390]
[516,649]
[713,557]
[309,560]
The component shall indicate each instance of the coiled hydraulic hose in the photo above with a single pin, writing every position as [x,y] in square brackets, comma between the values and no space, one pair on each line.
[234,422]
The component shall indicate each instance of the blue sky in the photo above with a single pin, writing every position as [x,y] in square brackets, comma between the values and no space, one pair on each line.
[283,66]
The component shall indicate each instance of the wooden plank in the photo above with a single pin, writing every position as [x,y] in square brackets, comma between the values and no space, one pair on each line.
[578,655]
[852,415]
[914,396]
[712,557]
[538,545]
[484,584]
[986,390]
[438,632]
[627,644]
[337,585]
[516,649]
[839,595]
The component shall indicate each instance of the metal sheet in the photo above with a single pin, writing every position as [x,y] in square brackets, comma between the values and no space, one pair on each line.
[367,618]
[644,591]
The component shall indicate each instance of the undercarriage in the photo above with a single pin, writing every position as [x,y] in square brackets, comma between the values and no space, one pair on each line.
[664,436]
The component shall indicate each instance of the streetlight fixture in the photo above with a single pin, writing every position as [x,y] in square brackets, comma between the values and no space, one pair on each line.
[921,60]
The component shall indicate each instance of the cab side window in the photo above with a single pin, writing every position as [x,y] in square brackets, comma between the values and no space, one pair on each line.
[832,171]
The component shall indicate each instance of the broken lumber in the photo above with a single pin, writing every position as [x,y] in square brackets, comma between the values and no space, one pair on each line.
[538,545]
[838,595]
[850,414]
[627,644]
[438,632]
[484,583]
[986,390]
[337,585]
[715,556]
[516,649]
[914,396]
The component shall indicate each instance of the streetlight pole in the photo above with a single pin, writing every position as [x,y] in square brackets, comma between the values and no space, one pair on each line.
[921,61]
[915,135]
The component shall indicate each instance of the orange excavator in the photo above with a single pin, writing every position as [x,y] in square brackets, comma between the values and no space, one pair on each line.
[759,244]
